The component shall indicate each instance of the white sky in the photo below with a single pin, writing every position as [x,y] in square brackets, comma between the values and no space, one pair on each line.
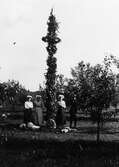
[89,30]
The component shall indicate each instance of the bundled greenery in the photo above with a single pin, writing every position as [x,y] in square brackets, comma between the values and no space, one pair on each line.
[51,39]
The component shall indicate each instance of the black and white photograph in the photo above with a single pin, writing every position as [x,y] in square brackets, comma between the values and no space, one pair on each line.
[59,83]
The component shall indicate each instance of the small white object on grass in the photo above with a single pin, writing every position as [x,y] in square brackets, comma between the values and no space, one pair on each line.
[66,129]
[23,125]
[32,126]
[4,116]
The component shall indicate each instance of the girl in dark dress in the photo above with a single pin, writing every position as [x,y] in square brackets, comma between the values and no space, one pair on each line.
[73,112]
[61,109]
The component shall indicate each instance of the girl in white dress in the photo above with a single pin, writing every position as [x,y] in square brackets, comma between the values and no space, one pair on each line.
[28,110]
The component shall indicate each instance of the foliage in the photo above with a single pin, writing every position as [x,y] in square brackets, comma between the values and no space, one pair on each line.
[2,92]
[80,85]
[12,92]
[51,39]
[94,87]
[61,84]
[112,60]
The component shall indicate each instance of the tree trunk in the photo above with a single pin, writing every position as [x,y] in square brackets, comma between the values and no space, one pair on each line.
[98,131]
[98,125]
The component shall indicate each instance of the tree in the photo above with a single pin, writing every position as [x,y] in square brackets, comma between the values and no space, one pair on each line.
[15,92]
[81,84]
[95,89]
[21,96]
[70,90]
[60,84]
[103,93]
[2,93]
[51,39]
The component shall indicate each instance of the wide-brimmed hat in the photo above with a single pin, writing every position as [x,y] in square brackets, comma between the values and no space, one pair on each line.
[61,96]
[38,96]
[29,96]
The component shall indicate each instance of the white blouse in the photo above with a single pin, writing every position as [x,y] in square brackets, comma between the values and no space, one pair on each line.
[28,105]
[62,103]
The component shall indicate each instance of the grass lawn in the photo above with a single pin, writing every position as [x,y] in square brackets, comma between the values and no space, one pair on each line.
[44,148]
[86,130]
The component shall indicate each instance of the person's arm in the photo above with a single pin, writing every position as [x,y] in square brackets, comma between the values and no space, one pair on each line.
[43,106]
[34,104]
[25,105]
[31,105]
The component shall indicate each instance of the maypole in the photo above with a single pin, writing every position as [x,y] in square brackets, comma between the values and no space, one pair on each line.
[51,39]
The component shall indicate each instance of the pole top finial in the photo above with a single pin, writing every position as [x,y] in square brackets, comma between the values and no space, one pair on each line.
[51,11]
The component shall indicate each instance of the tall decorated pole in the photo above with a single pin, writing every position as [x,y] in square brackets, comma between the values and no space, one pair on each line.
[51,39]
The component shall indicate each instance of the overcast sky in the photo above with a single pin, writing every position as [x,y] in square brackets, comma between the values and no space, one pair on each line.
[89,30]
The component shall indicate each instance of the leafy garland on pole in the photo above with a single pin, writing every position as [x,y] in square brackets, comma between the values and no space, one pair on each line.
[51,39]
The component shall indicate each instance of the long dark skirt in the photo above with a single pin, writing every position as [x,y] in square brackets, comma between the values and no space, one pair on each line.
[27,115]
[60,117]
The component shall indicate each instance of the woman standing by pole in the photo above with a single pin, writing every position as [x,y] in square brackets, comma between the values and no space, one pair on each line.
[60,116]
[38,106]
